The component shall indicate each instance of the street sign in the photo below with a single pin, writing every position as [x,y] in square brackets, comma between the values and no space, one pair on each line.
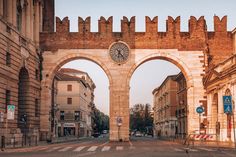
[119,121]
[227,102]
[10,112]
[199,109]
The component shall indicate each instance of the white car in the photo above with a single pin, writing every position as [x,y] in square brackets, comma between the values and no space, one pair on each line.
[138,134]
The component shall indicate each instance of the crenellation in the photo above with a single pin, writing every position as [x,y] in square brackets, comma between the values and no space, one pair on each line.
[173,26]
[84,25]
[62,25]
[151,25]
[128,26]
[105,26]
[197,27]
[197,38]
[220,25]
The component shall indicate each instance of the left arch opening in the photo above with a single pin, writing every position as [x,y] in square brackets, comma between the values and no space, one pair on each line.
[80,98]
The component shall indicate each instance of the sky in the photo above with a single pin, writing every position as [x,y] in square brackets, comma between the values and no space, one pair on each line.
[151,74]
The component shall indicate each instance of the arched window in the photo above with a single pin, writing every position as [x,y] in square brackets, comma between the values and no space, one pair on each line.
[228,92]
[19,15]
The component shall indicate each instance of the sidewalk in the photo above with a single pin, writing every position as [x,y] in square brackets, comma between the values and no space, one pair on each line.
[208,143]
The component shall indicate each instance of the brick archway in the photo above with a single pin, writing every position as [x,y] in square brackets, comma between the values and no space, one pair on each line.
[170,58]
[70,57]
[53,61]
[191,71]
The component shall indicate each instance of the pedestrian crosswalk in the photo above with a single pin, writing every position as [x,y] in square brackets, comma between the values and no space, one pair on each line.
[118,148]
[106,148]
[92,149]
[78,149]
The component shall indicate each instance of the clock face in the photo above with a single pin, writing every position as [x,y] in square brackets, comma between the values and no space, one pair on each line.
[119,52]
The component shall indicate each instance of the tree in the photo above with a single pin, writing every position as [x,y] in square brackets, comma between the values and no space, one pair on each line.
[140,117]
[100,121]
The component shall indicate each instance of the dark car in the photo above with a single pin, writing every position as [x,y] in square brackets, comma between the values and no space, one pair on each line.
[97,134]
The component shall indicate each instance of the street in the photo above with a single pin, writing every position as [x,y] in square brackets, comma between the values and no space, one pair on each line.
[101,147]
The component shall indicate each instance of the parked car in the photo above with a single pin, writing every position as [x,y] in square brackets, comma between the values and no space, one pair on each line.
[105,131]
[138,134]
[96,134]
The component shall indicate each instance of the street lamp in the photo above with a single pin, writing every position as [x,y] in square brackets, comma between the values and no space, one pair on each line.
[23,119]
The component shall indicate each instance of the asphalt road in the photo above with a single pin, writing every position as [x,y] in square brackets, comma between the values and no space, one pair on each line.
[101,147]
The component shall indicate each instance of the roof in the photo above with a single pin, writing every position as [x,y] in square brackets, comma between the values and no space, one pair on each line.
[69,70]
[179,76]
[166,79]
[155,90]
[65,77]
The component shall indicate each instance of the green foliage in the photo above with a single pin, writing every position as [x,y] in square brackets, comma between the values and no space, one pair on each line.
[100,121]
[140,117]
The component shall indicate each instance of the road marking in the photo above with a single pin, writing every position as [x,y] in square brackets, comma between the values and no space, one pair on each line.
[178,150]
[207,149]
[191,150]
[106,148]
[78,149]
[53,149]
[65,149]
[93,148]
[131,147]
[103,144]
[119,147]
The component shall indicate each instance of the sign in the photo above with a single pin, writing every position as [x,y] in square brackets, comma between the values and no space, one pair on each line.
[10,112]
[199,109]
[1,116]
[227,102]
[119,121]
[69,125]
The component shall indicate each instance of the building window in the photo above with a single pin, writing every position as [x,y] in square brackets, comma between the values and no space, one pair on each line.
[77,115]
[36,74]
[37,110]
[69,100]
[69,87]
[19,15]
[4,9]
[62,115]
[8,97]
[8,59]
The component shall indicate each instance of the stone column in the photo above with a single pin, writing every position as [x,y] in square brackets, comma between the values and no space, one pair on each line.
[14,13]
[193,117]
[119,107]
[28,20]
[44,111]
[9,11]
[36,24]
[1,7]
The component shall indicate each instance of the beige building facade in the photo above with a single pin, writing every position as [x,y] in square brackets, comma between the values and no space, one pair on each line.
[221,81]
[20,68]
[74,99]
[181,108]
[165,103]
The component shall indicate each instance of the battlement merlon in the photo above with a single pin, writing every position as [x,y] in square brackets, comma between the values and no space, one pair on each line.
[128,26]
[217,42]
